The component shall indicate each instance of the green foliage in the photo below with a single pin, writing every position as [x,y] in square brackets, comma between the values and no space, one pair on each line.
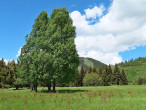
[19,82]
[144,80]
[106,77]
[134,69]
[61,41]
[31,57]
[140,81]
[7,73]
[94,69]
[92,79]
[116,78]
[124,78]
[50,55]
[81,75]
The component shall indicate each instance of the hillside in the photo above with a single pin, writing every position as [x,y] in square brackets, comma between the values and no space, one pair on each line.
[134,68]
[87,62]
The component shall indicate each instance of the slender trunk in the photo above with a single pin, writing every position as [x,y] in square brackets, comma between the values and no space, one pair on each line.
[31,87]
[49,87]
[35,88]
[117,82]
[16,87]
[54,84]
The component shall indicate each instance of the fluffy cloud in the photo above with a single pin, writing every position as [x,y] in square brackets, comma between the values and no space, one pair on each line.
[122,28]
[94,12]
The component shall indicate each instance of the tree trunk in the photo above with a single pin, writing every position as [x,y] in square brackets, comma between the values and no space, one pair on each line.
[49,87]
[35,88]
[16,87]
[31,87]
[118,82]
[54,84]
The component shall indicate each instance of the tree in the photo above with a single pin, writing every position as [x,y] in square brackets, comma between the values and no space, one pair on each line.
[31,57]
[92,79]
[18,80]
[3,73]
[61,34]
[140,81]
[116,79]
[81,76]
[106,77]
[90,70]
[11,69]
[124,78]
[94,69]
[50,55]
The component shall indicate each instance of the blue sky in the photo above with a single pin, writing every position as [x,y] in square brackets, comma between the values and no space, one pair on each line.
[17,18]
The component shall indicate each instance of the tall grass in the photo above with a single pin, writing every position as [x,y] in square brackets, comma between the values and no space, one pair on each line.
[76,98]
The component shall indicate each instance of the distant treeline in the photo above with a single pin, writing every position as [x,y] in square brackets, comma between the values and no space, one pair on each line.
[103,76]
[133,62]
[8,74]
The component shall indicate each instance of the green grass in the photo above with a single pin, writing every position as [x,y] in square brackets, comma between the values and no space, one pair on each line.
[75,98]
[135,69]
[88,63]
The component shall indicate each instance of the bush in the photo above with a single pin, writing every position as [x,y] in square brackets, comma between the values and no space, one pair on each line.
[140,81]
[92,79]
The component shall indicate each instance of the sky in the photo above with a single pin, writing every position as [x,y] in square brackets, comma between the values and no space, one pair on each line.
[110,31]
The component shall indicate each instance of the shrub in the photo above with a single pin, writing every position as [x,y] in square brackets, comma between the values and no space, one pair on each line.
[140,81]
[92,79]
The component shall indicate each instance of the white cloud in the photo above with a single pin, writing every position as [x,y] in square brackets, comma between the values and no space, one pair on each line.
[122,28]
[94,12]
[19,52]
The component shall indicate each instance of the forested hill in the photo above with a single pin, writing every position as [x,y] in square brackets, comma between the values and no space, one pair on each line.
[134,68]
[87,62]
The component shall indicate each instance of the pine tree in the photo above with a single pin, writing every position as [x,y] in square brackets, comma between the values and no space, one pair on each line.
[3,73]
[116,76]
[11,68]
[110,73]
[82,74]
[124,78]
[90,70]
[94,69]
[106,77]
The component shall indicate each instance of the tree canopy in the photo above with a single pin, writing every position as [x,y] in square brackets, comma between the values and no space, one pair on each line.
[49,54]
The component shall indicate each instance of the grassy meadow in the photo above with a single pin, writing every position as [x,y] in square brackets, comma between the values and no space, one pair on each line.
[75,98]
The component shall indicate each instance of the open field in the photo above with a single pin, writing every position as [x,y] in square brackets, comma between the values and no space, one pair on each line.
[75,98]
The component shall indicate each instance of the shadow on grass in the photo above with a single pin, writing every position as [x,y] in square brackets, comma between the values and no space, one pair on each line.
[63,91]
[19,89]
